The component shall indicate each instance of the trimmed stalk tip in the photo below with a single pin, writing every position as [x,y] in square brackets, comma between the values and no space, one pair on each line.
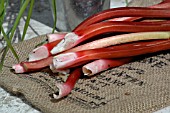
[62,91]
[39,53]
[62,59]
[18,68]
[67,43]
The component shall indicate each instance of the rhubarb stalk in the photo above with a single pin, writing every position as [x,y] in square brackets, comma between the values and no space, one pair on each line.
[24,67]
[65,88]
[123,12]
[100,65]
[73,39]
[62,61]
[164,4]
[119,39]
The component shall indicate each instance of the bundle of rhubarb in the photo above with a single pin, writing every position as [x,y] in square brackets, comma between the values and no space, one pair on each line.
[105,40]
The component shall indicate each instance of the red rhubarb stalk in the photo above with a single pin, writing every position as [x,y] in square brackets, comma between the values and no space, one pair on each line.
[164,4]
[73,39]
[65,88]
[100,65]
[69,59]
[123,12]
[24,67]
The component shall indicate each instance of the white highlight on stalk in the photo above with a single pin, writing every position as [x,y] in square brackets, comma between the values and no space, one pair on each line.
[68,42]
[18,68]
[39,53]
[62,60]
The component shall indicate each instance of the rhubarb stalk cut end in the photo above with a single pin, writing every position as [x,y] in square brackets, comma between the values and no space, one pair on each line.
[63,90]
[18,68]
[68,42]
[86,71]
[95,67]
[39,53]
[61,60]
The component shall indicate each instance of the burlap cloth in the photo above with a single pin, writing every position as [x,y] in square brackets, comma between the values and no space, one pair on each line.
[142,86]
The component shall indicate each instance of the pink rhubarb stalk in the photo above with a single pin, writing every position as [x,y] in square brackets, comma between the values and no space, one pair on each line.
[62,61]
[24,67]
[73,39]
[100,65]
[66,88]
[119,39]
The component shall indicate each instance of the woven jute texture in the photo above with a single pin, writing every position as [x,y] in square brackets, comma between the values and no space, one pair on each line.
[142,86]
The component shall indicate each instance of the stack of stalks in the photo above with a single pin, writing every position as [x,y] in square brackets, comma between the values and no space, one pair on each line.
[105,40]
